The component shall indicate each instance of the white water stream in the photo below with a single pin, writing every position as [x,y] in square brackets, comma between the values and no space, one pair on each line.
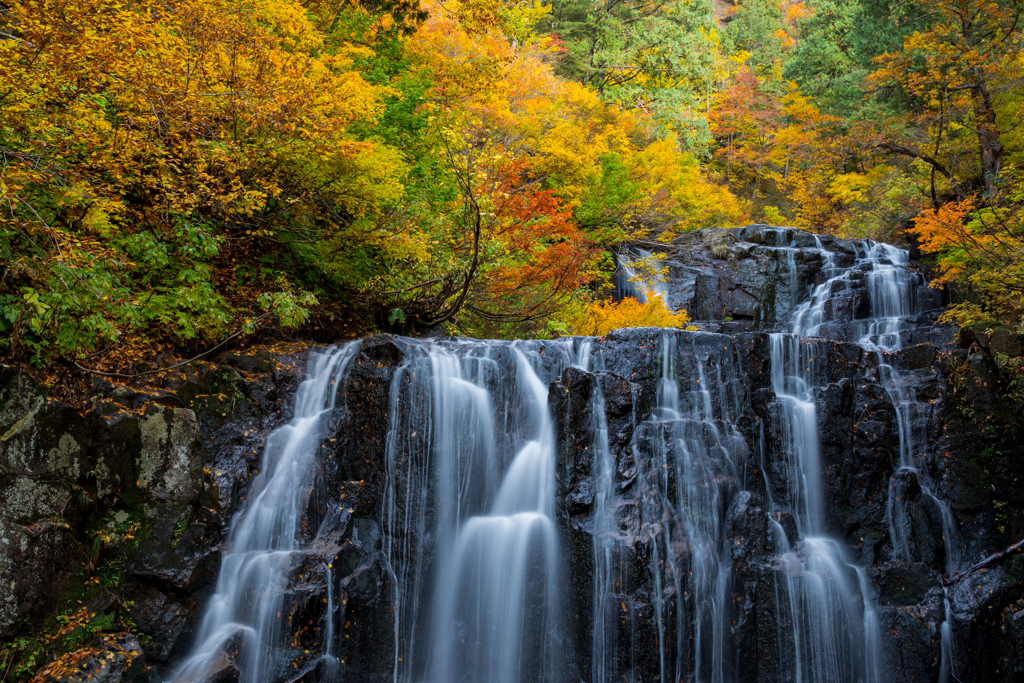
[245,611]
[474,448]
[892,290]
[471,545]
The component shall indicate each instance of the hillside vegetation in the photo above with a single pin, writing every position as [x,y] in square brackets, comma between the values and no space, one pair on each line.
[191,173]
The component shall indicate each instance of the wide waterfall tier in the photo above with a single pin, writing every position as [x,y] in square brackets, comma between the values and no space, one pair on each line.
[469,513]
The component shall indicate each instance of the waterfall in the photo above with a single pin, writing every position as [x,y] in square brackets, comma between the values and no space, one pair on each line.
[473,548]
[604,655]
[500,584]
[691,454]
[329,660]
[830,627]
[475,535]
[244,613]
[892,299]
[809,315]
[892,289]
[629,283]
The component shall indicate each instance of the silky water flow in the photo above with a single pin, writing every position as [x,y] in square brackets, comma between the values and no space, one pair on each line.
[893,305]
[470,544]
[828,626]
[244,612]
[469,516]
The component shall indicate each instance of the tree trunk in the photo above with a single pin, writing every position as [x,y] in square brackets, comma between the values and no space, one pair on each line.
[990,148]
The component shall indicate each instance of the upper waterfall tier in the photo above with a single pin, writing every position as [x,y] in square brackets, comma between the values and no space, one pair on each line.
[758,277]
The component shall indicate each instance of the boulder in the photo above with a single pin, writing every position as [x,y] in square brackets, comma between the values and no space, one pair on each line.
[1005,341]
[116,658]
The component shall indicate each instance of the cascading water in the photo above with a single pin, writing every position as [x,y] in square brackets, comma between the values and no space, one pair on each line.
[471,543]
[830,629]
[496,615]
[629,283]
[892,299]
[604,655]
[264,536]
[473,548]
[689,454]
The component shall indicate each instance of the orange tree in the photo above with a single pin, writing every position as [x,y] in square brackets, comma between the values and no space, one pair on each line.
[964,77]
[980,243]
[783,154]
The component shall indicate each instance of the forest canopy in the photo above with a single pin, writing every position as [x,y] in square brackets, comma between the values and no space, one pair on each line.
[193,172]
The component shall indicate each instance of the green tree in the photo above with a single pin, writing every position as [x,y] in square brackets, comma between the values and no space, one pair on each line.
[657,56]
[837,44]
[754,28]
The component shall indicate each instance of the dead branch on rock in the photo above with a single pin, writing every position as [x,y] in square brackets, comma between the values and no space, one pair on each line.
[988,561]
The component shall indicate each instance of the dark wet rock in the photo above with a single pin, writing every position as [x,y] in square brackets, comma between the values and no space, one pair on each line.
[910,650]
[127,491]
[364,621]
[572,400]
[974,335]
[984,649]
[919,356]
[34,569]
[923,519]
[748,278]
[165,619]
[751,548]
[1006,342]
[783,527]
[902,584]
[158,475]
[976,454]
[43,452]
[1013,625]
[995,338]
[39,437]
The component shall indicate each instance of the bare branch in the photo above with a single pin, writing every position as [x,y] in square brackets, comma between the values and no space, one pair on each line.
[898,149]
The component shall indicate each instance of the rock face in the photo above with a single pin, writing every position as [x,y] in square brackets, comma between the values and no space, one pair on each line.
[116,516]
[110,659]
[751,278]
[678,520]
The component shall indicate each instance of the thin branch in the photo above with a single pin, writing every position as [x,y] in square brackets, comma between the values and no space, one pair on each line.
[411,287]
[898,149]
[987,562]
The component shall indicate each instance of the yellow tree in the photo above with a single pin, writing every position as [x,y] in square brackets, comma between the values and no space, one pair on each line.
[959,71]
[140,139]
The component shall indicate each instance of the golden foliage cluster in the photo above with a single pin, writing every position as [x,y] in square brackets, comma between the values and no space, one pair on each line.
[602,317]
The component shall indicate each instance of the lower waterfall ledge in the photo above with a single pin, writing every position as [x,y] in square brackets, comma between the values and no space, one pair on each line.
[133,501]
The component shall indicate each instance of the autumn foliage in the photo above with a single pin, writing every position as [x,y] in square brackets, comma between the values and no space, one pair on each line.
[193,172]
[981,246]
[147,146]
[197,171]
[602,317]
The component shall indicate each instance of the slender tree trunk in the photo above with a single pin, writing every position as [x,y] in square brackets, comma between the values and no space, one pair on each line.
[990,148]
